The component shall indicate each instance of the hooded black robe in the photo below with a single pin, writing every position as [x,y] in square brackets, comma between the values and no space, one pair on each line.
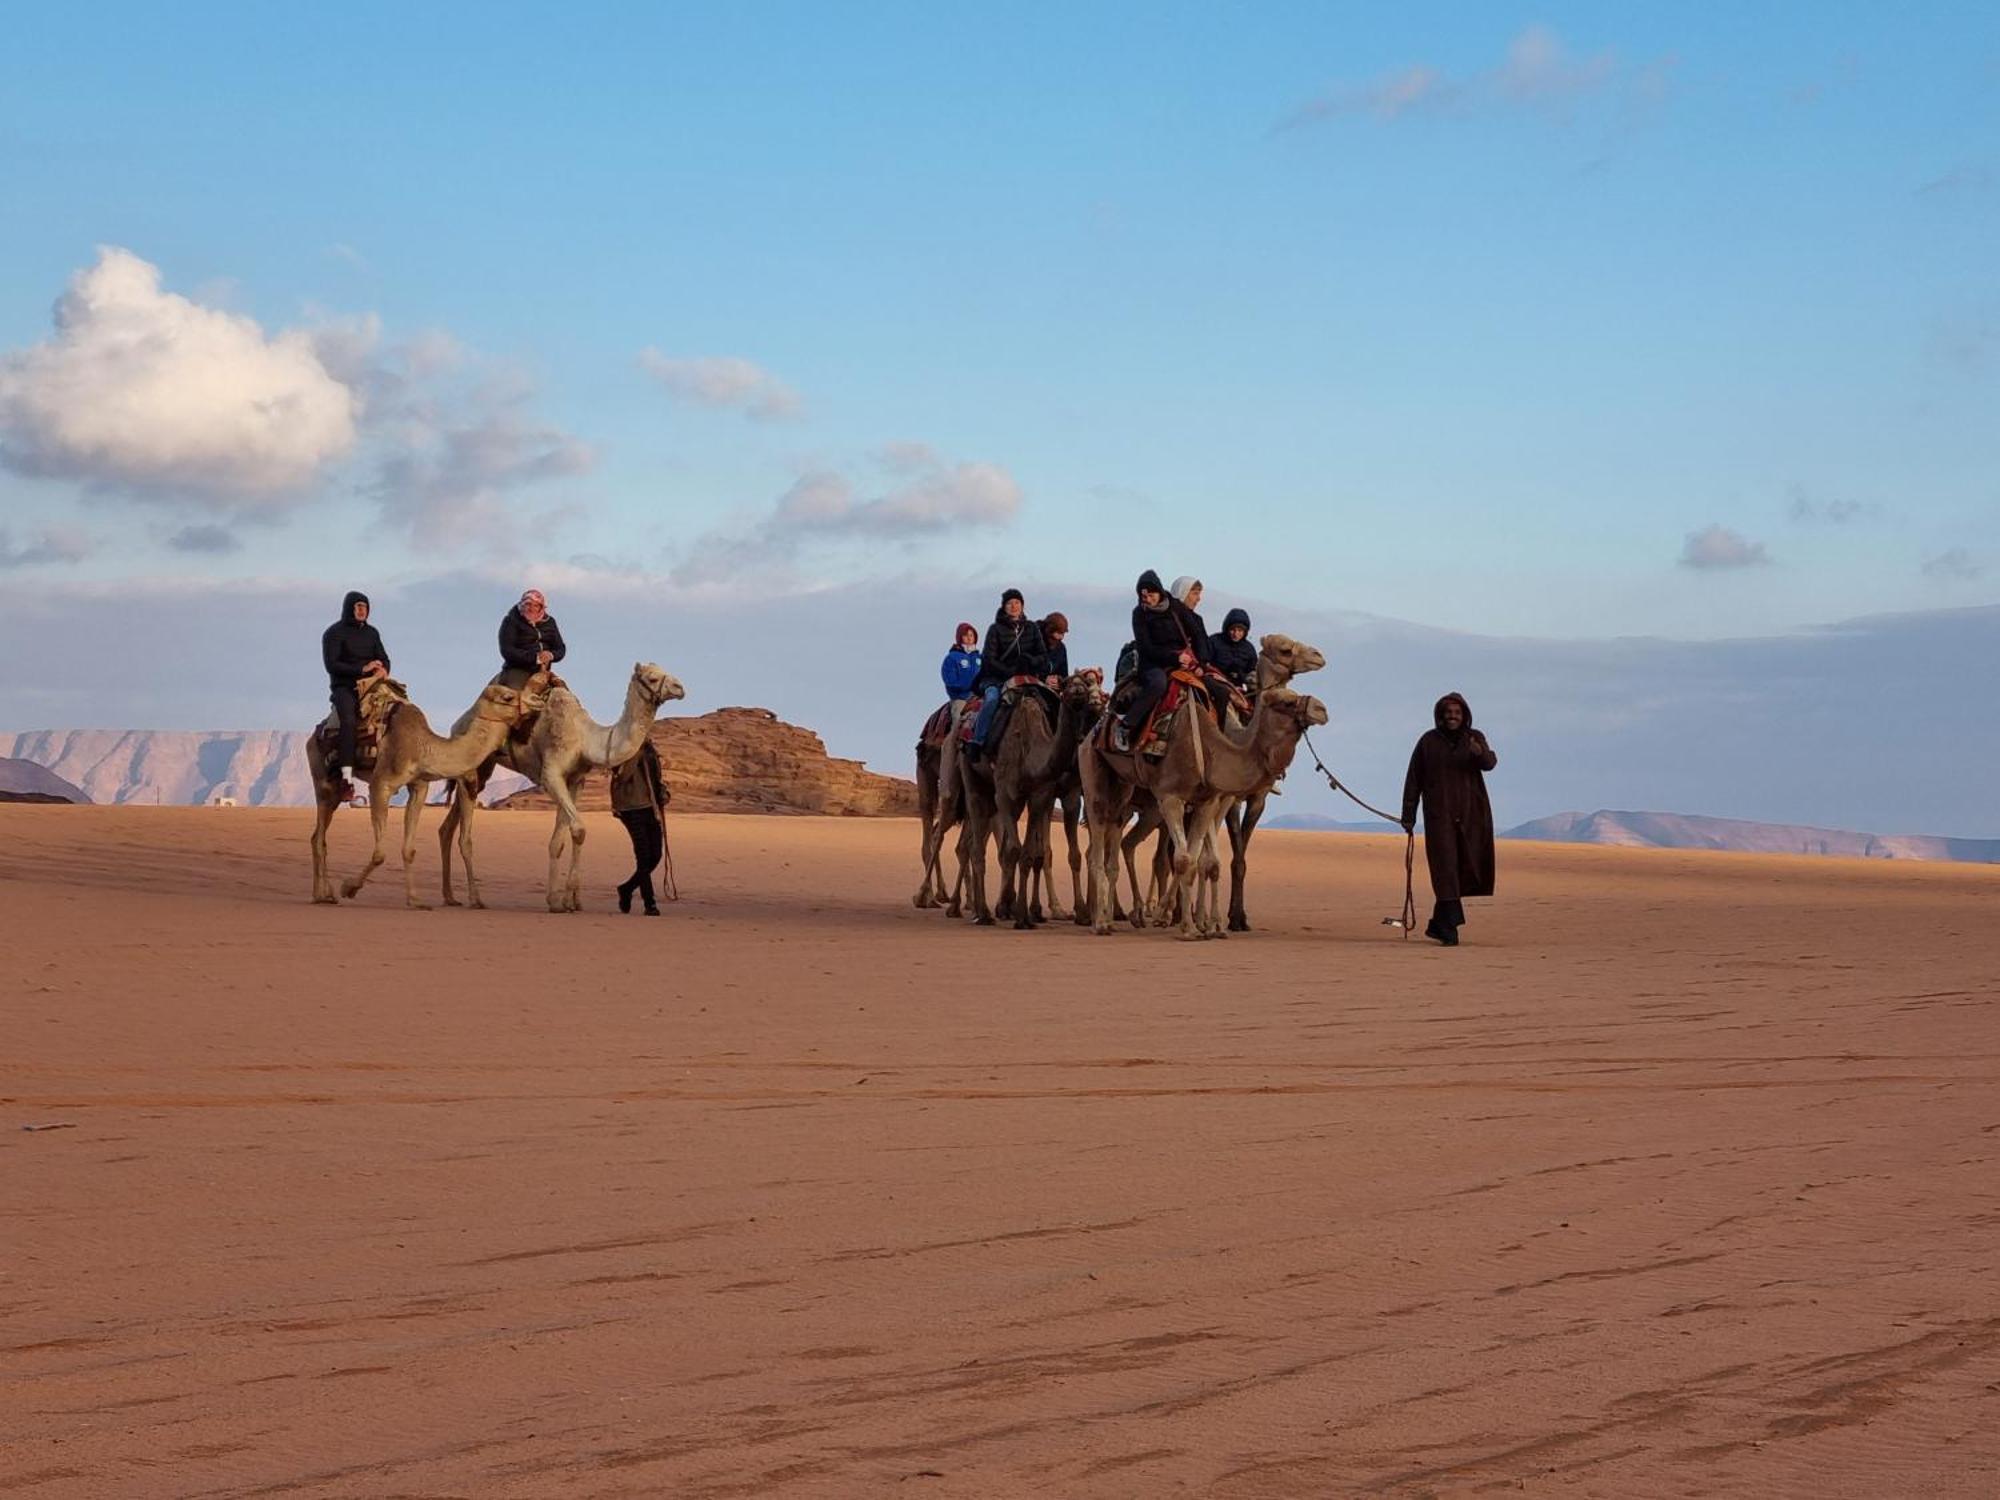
[1448,775]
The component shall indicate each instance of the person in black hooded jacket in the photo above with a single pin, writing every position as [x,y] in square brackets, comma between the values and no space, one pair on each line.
[351,649]
[1231,653]
[1162,644]
[1448,777]
[1014,648]
[530,640]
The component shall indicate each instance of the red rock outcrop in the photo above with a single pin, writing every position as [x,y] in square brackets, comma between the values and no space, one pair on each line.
[749,760]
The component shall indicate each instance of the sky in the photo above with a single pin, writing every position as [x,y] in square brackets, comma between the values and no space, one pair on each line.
[1567,325]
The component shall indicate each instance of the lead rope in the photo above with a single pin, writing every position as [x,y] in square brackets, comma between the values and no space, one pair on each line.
[1408,921]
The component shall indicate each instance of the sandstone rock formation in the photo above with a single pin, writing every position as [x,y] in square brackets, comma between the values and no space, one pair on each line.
[749,760]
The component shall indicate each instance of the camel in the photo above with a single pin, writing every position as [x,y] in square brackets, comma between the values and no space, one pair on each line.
[940,808]
[1279,660]
[409,754]
[378,697]
[1053,780]
[564,745]
[1204,769]
[1024,770]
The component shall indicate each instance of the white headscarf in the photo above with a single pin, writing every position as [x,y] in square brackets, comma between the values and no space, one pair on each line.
[1184,585]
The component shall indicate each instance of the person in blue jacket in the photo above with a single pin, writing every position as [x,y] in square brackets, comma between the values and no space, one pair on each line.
[961,665]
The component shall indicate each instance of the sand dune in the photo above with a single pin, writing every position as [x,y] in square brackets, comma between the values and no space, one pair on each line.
[1678,1179]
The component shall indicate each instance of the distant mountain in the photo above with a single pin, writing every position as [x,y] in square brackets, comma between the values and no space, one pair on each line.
[257,768]
[29,781]
[1321,823]
[1651,830]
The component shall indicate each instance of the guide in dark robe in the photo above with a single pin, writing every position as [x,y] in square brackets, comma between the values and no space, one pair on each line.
[1448,778]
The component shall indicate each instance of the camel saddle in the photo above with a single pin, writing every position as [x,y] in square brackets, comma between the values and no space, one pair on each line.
[386,697]
[1017,688]
[1183,687]
[937,728]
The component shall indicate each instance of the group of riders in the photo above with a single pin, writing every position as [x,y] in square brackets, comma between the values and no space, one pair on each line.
[1446,776]
[530,643]
[1168,635]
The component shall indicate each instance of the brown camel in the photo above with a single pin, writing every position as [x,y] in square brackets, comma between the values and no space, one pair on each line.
[1204,767]
[1030,759]
[940,806]
[564,745]
[378,697]
[1279,660]
[409,754]
[1054,780]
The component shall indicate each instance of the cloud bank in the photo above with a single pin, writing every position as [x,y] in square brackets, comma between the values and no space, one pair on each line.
[1716,546]
[144,391]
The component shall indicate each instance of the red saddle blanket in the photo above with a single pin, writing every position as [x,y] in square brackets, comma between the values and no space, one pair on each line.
[1016,688]
[937,728]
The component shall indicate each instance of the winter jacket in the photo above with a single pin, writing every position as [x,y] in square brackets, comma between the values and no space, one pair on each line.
[1058,661]
[1160,636]
[521,641]
[1014,648]
[1237,660]
[349,645]
[637,786]
[1448,776]
[961,673]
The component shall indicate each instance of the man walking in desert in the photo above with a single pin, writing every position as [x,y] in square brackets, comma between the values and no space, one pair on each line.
[1448,776]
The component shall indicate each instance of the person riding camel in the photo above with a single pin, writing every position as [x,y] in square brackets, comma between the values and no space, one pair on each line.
[1055,629]
[1186,597]
[961,664]
[1014,648]
[1448,776]
[353,654]
[1161,644]
[530,640]
[1232,654]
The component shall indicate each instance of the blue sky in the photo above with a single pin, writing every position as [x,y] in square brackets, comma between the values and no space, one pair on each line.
[1576,321]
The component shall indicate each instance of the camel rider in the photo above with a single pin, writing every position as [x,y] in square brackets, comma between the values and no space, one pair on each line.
[1186,599]
[1160,644]
[530,640]
[1014,648]
[1055,629]
[1231,652]
[354,655]
[961,664]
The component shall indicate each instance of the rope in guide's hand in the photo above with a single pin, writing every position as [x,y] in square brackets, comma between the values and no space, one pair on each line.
[1408,921]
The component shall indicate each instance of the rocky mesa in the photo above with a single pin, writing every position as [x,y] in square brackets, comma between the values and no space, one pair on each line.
[748,760]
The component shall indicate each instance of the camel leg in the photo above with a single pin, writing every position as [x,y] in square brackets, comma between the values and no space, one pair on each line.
[464,802]
[961,886]
[927,816]
[1242,823]
[1076,912]
[1208,890]
[567,838]
[379,793]
[447,831]
[323,815]
[413,814]
[1126,846]
[1103,870]
[979,830]
[1173,813]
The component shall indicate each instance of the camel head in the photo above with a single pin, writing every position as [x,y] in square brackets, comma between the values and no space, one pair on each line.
[1286,658]
[505,705]
[1085,689]
[1292,709]
[658,685]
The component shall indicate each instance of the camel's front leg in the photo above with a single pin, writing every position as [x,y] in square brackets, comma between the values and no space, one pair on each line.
[322,882]
[1056,913]
[1242,823]
[413,814]
[447,831]
[464,803]
[1173,813]
[565,888]
[379,793]
[1208,888]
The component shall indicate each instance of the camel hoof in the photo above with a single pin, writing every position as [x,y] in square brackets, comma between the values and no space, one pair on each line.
[984,922]
[1188,935]
[453,901]
[475,904]
[326,900]
[921,901]
[1239,924]
[417,905]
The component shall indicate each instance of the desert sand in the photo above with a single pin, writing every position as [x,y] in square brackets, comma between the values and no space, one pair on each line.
[1679,1178]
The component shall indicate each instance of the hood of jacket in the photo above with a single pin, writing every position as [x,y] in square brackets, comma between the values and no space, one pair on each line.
[354,597]
[1437,710]
[1237,617]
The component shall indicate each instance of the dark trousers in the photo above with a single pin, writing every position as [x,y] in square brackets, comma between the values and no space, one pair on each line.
[648,844]
[1152,688]
[347,709]
[1449,914]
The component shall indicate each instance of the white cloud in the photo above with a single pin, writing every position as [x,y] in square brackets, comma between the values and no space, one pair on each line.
[725,382]
[447,481]
[49,544]
[205,537]
[1716,546]
[928,496]
[1805,509]
[151,393]
[1537,72]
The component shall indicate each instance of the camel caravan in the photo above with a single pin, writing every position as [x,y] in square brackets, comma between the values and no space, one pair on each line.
[525,719]
[1186,748]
